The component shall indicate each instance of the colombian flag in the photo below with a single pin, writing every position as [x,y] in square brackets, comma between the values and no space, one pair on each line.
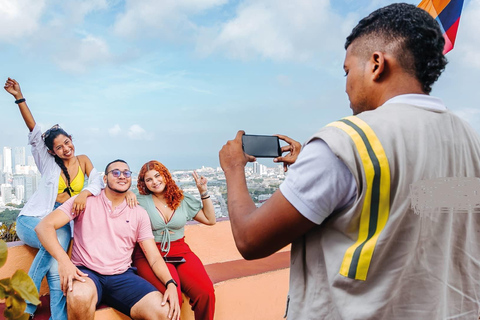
[447,13]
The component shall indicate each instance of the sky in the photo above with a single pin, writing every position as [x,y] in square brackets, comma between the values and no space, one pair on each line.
[173,80]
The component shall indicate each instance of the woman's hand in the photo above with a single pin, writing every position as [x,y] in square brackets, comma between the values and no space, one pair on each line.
[12,87]
[80,201]
[201,182]
[131,199]
[294,148]
[171,296]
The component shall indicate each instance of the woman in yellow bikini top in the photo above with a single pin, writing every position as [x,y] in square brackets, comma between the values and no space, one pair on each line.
[76,185]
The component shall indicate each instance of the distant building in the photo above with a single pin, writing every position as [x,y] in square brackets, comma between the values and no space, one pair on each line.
[2,180]
[6,191]
[30,186]
[18,157]
[256,167]
[31,161]
[7,160]
[18,180]
[23,169]
[259,169]
[20,193]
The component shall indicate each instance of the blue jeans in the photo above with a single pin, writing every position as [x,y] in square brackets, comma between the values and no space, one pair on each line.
[45,264]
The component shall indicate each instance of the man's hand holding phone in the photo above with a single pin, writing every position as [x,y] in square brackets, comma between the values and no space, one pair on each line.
[293,148]
[232,155]
[245,148]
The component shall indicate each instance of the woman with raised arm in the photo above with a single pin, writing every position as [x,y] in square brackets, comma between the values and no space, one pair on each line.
[63,176]
[169,209]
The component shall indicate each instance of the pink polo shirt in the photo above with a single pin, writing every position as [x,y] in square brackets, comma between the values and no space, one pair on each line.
[104,239]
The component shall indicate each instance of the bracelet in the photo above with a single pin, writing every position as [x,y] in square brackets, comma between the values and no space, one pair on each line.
[171,281]
[205,198]
[20,100]
[204,194]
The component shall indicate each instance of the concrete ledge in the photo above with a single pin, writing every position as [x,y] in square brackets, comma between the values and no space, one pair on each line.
[243,289]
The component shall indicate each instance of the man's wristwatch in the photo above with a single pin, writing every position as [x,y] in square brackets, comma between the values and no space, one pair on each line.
[171,281]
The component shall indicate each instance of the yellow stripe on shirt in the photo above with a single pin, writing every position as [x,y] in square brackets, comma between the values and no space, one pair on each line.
[376,206]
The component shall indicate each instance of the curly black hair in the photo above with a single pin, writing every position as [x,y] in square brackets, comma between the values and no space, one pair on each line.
[419,37]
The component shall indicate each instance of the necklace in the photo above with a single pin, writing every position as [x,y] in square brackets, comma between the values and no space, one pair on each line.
[164,205]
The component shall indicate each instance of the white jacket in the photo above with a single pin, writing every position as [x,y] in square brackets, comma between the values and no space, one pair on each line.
[42,201]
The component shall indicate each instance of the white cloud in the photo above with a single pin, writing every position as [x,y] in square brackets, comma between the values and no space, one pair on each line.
[77,10]
[83,54]
[115,130]
[468,41]
[167,18]
[19,18]
[136,132]
[303,30]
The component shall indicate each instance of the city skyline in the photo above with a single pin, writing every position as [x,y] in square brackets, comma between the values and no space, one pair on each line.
[174,80]
[18,184]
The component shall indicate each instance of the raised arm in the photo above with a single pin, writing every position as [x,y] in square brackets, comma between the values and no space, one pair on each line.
[12,87]
[207,214]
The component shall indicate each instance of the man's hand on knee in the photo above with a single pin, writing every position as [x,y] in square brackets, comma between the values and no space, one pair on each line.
[68,273]
[171,296]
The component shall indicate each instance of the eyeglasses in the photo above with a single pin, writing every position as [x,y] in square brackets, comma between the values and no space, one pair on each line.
[47,133]
[116,173]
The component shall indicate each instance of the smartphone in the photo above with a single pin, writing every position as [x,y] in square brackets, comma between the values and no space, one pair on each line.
[261,146]
[174,259]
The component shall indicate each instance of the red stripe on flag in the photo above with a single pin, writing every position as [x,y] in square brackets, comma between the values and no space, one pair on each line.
[451,34]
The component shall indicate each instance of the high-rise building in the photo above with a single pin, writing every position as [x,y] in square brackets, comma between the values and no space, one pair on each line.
[18,156]
[262,170]
[2,178]
[30,186]
[30,161]
[6,190]
[255,167]
[20,193]
[18,180]
[7,160]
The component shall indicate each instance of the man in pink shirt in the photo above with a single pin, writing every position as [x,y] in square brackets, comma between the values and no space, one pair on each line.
[100,269]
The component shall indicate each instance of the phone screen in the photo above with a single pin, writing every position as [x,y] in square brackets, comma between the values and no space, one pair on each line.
[174,259]
[261,146]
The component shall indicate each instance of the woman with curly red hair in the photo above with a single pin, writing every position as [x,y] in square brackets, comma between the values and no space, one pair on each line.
[169,209]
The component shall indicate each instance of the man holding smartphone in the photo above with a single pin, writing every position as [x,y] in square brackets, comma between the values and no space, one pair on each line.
[359,251]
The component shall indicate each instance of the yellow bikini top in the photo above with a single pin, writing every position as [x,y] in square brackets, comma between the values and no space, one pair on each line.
[76,184]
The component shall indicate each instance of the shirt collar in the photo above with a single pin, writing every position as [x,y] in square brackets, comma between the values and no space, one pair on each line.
[419,100]
[118,210]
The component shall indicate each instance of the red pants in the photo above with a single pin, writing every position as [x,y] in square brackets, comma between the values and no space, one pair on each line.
[191,277]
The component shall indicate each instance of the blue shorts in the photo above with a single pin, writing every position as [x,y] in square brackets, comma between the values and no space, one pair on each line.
[120,291]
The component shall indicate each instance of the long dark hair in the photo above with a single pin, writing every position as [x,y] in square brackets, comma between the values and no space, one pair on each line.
[48,138]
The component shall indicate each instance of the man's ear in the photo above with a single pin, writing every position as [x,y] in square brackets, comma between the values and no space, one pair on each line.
[377,61]
[105,179]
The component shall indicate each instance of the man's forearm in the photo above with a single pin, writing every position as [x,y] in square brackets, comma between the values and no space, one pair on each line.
[48,237]
[161,270]
[240,204]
